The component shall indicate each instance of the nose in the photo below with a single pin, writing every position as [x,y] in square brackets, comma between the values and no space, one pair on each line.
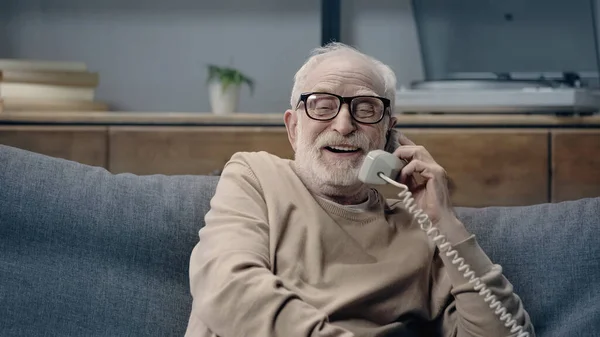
[343,122]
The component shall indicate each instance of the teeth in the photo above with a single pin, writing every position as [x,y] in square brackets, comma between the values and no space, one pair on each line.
[344,148]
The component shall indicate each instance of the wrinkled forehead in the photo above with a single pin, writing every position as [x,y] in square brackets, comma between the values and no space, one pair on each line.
[345,75]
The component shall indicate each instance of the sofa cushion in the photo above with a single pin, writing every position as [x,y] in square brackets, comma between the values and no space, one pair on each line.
[87,253]
[551,254]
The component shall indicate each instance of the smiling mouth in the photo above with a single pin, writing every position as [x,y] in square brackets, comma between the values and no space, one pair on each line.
[342,149]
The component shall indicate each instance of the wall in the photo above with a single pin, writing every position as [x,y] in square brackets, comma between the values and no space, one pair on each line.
[151,54]
[385,29]
[5,14]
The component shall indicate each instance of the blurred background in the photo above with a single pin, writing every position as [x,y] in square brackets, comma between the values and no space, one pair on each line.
[152,55]
[504,93]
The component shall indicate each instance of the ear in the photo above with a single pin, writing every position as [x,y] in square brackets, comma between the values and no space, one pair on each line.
[390,127]
[393,121]
[291,123]
[392,142]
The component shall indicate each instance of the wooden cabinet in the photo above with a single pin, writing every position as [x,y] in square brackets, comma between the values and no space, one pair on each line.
[83,144]
[487,166]
[575,164]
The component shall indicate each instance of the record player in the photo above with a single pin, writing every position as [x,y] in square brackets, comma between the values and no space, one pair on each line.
[520,93]
[506,56]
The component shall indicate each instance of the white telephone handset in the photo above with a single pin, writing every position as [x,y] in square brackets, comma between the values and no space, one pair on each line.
[381,167]
[379,161]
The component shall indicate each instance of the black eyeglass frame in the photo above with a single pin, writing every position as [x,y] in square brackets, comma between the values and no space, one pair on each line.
[347,100]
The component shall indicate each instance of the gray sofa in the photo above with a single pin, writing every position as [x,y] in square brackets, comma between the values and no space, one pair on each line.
[87,253]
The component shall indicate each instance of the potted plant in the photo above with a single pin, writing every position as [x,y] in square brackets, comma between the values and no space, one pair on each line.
[224,84]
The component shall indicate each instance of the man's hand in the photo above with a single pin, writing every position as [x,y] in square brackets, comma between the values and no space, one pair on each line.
[428,183]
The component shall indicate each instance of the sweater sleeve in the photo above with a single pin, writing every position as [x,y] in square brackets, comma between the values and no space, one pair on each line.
[234,291]
[468,315]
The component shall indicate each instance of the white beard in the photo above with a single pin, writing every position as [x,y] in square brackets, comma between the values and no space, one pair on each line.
[328,176]
[310,162]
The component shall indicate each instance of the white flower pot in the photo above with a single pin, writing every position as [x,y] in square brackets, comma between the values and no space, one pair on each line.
[223,102]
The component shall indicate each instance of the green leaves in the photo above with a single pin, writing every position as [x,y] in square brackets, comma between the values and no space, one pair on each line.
[229,76]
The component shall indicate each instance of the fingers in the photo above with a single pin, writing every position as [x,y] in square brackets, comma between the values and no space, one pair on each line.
[410,169]
[404,140]
[408,152]
[417,168]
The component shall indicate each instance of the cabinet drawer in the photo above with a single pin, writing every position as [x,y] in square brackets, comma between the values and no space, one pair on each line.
[575,164]
[83,144]
[189,150]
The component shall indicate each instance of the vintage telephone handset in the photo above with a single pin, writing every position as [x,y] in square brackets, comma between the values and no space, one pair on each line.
[381,167]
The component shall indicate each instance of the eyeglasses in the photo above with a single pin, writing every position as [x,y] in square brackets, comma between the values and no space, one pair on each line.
[323,106]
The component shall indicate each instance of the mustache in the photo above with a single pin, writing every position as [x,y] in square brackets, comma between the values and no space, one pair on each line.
[356,139]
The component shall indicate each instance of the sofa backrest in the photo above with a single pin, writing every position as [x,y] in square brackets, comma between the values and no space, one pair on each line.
[86,252]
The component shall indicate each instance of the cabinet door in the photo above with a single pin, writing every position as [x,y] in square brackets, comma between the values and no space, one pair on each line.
[575,164]
[86,145]
[189,150]
[489,167]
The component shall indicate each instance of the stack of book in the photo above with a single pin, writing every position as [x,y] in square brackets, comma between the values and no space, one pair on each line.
[33,85]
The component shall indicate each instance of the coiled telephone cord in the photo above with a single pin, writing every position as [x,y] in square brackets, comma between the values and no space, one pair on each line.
[440,240]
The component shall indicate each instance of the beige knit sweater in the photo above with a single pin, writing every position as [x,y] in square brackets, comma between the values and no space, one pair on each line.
[274,260]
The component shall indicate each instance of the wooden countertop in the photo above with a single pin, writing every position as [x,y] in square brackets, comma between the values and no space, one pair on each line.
[276,119]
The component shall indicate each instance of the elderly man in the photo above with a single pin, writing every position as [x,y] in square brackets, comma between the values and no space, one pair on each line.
[304,248]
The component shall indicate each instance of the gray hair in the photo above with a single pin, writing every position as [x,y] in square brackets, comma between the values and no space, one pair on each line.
[387,75]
